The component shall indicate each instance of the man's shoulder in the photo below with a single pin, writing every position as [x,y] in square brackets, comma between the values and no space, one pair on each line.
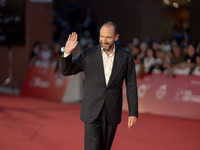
[92,48]
[123,51]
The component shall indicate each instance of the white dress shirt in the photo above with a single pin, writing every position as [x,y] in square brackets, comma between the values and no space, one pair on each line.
[107,63]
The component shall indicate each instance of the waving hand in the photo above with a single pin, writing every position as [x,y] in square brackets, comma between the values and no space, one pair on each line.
[71,43]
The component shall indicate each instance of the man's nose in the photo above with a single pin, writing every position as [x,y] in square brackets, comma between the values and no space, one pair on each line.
[104,40]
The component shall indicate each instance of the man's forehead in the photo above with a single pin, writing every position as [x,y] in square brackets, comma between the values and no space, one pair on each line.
[106,27]
[107,30]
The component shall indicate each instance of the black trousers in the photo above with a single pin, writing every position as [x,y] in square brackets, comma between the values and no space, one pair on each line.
[99,134]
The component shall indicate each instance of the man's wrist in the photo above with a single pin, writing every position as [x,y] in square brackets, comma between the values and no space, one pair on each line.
[65,54]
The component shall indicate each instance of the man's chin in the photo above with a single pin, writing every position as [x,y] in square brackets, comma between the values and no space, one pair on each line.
[105,48]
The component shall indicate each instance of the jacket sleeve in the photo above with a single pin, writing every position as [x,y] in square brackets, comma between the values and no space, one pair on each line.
[69,67]
[131,88]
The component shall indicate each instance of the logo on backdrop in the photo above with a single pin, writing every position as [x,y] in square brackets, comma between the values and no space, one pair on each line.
[161,92]
[185,95]
[142,89]
[38,82]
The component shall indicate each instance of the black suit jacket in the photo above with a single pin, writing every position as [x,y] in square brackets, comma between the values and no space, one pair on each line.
[96,92]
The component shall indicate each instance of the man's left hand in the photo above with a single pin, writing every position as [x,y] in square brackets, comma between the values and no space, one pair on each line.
[132,121]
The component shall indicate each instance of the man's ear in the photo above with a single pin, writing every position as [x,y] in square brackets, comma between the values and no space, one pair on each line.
[116,37]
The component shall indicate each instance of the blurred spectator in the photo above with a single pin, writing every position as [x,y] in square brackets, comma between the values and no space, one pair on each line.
[190,58]
[156,46]
[177,60]
[86,41]
[135,51]
[45,57]
[46,53]
[35,53]
[135,41]
[198,48]
[55,62]
[176,57]
[149,61]
[166,47]
[139,67]
[159,66]
[143,49]
[197,67]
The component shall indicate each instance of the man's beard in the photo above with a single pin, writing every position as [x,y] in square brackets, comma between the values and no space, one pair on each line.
[107,48]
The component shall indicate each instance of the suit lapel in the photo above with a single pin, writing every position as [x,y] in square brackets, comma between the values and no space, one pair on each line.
[117,65]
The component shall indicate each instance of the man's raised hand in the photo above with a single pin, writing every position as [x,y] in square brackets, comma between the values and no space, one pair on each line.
[71,43]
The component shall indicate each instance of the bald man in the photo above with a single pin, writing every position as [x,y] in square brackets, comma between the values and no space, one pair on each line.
[105,66]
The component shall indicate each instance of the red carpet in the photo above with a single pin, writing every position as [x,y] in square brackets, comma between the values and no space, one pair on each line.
[33,124]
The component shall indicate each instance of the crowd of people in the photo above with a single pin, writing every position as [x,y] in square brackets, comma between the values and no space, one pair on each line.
[170,58]
[67,17]
[43,55]
[150,57]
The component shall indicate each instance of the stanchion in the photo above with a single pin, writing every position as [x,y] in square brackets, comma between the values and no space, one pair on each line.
[9,86]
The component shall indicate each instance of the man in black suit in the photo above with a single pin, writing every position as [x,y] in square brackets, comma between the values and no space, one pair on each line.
[105,67]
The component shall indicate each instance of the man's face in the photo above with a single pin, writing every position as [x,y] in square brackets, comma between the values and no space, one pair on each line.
[107,38]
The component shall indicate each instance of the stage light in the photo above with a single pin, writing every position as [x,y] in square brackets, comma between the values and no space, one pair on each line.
[176,5]
[167,2]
